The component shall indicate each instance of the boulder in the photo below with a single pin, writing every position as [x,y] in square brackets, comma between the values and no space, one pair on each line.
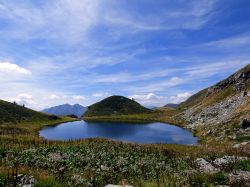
[205,166]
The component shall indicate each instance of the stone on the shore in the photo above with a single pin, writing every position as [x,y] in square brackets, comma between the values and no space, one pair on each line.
[205,166]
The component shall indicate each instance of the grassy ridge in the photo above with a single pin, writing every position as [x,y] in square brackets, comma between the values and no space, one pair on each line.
[13,113]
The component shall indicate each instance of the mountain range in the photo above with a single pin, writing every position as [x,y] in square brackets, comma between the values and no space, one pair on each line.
[66,109]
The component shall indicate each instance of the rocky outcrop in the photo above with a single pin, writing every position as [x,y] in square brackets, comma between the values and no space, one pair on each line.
[221,112]
[240,177]
[239,81]
[227,160]
[205,166]
[236,177]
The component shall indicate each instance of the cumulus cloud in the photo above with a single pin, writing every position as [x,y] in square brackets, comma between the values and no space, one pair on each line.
[149,99]
[180,97]
[152,99]
[24,99]
[54,96]
[11,69]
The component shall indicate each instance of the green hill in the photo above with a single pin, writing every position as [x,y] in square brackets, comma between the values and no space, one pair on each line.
[115,105]
[13,113]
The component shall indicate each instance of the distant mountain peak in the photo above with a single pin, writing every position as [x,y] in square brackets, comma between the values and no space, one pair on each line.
[66,109]
[171,105]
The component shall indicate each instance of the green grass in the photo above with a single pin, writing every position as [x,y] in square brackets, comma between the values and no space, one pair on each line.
[165,115]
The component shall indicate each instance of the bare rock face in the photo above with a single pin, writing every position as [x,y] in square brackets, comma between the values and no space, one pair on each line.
[205,166]
[218,113]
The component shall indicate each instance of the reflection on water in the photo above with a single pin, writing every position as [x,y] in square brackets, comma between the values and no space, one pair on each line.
[138,133]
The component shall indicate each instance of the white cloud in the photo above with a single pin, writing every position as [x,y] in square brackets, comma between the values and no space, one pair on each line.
[101,94]
[231,42]
[180,97]
[192,15]
[54,96]
[58,21]
[11,69]
[152,99]
[24,99]
[149,99]
[78,97]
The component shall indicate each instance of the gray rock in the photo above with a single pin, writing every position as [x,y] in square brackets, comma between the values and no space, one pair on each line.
[227,160]
[240,176]
[25,180]
[205,166]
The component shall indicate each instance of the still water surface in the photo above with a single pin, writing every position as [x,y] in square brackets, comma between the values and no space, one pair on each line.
[127,132]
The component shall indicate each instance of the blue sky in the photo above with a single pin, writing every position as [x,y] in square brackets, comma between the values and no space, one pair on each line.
[81,51]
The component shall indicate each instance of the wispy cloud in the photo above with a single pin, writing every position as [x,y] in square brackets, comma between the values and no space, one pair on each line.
[58,21]
[189,16]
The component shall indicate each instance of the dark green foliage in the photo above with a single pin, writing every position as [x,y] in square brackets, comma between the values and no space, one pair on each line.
[243,165]
[13,113]
[2,180]
[115,105]
[245,123]
[220,179]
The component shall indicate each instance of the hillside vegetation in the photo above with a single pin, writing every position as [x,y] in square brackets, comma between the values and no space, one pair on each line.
[13,113]
[115,105]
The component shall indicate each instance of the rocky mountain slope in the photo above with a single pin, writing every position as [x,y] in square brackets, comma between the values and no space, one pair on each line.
[221,110]
[115,105]
[66,109]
